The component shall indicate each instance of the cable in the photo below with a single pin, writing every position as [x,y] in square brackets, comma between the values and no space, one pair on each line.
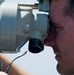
[9,65]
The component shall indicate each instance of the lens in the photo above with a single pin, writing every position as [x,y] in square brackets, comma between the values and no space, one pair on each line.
[35,45]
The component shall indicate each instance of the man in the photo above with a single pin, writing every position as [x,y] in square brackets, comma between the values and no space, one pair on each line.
[61,34]
[14,69]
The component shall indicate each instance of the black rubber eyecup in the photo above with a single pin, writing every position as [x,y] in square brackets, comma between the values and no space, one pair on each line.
[35,45]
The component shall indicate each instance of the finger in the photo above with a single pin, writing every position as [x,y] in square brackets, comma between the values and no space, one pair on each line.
[3,73]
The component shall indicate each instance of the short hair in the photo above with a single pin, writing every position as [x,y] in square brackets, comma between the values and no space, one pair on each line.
[69,9]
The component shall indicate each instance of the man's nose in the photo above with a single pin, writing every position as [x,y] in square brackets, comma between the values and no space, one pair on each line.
[51,37]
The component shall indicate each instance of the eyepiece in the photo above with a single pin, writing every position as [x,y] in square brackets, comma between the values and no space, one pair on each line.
[35,45]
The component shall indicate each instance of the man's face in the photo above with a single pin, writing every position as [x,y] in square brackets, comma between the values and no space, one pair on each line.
[61,37]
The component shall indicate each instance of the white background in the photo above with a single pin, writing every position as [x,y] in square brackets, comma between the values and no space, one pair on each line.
[43,63]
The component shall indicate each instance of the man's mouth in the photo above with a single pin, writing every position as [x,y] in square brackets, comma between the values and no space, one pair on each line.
[58,58]
[57,53]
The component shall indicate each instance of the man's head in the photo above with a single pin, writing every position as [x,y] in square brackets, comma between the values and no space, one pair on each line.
[61,34]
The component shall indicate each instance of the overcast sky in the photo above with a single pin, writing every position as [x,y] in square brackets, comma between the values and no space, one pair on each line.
[43,63]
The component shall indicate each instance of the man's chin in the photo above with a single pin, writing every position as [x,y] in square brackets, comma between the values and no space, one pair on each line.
[63,71]
[58,69]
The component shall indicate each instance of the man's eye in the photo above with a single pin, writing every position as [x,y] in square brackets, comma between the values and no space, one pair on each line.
[57,28]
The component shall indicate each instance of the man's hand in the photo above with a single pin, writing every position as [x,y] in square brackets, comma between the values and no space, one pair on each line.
[3,73]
